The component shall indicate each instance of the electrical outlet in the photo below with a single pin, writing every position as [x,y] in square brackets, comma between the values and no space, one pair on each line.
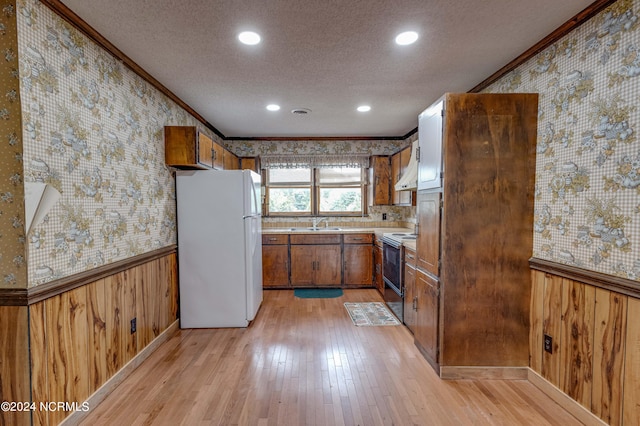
[133,326]
[384,216]
[548,343]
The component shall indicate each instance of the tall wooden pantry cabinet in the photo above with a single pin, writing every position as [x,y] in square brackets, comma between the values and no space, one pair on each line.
[475,217]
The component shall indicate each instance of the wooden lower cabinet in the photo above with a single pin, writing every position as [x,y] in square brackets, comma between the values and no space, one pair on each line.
[275,260]
[426,320]
[377,271]
[320,259]
[316,265]
[358,259]
[275,266]
[410,296]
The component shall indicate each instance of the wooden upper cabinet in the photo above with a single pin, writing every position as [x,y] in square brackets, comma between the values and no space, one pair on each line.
[399,163]
[396,172]
[250,163]
[205,150]
[379,181]
[218,156]
[231,161]
[186,147]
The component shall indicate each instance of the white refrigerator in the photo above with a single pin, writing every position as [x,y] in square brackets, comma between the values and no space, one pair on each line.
[219,247]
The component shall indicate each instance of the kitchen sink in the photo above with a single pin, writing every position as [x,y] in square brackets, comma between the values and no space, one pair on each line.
[316,229]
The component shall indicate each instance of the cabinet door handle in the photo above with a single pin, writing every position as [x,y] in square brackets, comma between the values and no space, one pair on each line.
[357,239]
[409,256]
[213,155]
[273,239]
[415,303]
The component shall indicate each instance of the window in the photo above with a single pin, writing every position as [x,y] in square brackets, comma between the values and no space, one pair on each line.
[289,190]
[314,191]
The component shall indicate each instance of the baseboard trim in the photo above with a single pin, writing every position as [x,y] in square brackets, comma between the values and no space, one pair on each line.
[109,386]
[483,373]
[565,401]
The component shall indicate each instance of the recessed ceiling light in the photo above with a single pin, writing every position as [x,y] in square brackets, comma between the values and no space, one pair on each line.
[249,37]
[407,37]
[273,107]
[364,108]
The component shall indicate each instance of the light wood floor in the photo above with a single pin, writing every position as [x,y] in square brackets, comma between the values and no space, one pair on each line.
[302,361]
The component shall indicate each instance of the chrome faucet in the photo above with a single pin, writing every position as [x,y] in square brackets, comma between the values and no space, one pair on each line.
[317,220]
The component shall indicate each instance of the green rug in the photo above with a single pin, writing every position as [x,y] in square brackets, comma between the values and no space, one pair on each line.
[317,293]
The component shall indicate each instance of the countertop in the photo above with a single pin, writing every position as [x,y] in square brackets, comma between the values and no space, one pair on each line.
[411,244]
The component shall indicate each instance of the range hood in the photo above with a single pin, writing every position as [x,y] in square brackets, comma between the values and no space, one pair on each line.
[409,179]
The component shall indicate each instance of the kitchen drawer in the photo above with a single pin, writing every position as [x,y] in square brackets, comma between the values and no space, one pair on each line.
[315,239]
[275,239]
[358,238]
[410,257]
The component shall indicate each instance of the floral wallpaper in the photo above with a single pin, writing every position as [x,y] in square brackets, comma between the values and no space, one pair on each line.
[13,272]
[587,201]
[93,130]
[253,148]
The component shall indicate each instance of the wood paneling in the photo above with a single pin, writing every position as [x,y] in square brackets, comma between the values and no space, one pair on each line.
[552,326]
[578,302]
[535,334]
[81,338]
[53,288]
[115,322]
[38,359]
[631,401]
[14,362]
[129,340]
[97,322]
[596,345]
[608,355]
[68,349]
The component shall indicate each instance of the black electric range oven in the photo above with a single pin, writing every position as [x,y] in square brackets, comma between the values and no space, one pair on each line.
[393,271]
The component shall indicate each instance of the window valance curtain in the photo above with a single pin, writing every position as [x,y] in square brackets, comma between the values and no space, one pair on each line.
[284,161]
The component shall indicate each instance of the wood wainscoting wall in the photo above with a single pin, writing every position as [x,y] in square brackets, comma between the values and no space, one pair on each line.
[64,347]
[594,356]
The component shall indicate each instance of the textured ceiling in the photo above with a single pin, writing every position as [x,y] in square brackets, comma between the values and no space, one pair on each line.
[327,56]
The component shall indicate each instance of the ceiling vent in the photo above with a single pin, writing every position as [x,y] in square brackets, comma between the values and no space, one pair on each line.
[300,111]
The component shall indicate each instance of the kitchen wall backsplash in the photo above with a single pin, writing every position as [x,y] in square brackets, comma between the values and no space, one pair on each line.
[587,200]
[93,129]
[396,216]
[13,265]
